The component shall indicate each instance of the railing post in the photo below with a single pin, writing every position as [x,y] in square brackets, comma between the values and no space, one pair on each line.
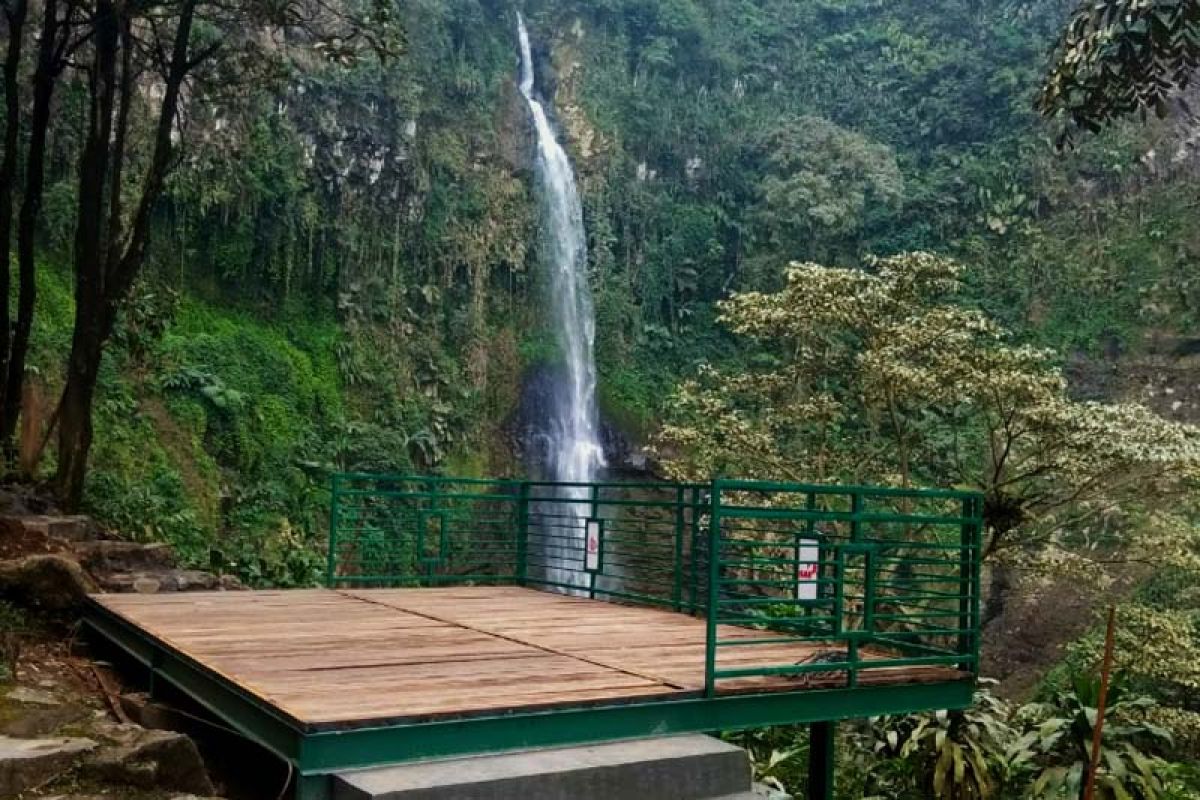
[677,590]
[714,593]
[968,588]
[430,566]
[334,508]
[522,533]
[694,557]
[856,507]
[868,615]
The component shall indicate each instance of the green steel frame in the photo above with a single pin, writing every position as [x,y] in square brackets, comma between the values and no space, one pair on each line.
[710,531]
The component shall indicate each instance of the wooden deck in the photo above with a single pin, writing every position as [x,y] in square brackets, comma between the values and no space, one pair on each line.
[340,659]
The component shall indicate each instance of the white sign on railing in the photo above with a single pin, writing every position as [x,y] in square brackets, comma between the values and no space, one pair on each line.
[808,570]
[592,546]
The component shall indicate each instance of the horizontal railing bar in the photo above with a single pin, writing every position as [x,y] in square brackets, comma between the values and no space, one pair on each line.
[920,615]
[846,666]
[927,630]
[610,592]
[778,601]
[775,640]
[882,638]
[774,487]
[803,515]
[819,637]
[426,495]
[617,485]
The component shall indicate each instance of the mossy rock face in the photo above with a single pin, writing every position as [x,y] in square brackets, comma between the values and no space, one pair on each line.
[29,763]
[49,583]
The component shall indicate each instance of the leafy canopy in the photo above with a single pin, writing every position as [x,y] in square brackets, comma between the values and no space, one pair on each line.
[878,375]
[1120,57]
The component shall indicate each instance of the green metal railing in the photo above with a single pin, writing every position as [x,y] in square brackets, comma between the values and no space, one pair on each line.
[403,531]
[872,579]
[879,579]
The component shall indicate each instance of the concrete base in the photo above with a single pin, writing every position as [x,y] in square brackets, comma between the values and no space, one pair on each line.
[672,768]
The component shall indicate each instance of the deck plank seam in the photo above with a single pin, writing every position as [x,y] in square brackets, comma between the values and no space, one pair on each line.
[514,640]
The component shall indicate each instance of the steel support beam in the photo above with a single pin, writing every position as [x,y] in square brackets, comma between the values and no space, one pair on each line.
[820,760]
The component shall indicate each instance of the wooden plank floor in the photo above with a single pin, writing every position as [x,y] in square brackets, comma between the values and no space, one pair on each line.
[351,657]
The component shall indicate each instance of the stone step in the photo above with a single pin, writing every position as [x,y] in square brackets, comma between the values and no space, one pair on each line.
[117,556]
[28,763]
[67,528]
[671,768]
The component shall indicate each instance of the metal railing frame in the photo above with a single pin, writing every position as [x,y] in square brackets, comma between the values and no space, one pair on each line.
[703,561]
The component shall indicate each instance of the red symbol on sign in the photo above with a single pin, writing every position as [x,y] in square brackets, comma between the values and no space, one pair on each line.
[806,572]
[593,544]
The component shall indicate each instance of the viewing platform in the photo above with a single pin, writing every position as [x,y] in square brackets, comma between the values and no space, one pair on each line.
[467,617]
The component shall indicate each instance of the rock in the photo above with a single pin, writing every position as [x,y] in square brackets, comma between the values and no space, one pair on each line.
[42,721]
[71,528]
[24,694]
[26,763]
[230,583]
[113,556]
[144,585]
[140,708]
[145,758]
[47,582]
[160,580]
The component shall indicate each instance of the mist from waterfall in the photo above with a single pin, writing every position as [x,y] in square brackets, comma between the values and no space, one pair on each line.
[575,452]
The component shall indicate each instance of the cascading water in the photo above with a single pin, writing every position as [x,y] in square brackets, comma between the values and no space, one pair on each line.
[575,453]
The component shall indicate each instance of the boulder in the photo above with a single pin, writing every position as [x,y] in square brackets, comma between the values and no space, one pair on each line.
[150,759]
[43,720]
[113,556]
[46,582]
[27,763]
[31,696]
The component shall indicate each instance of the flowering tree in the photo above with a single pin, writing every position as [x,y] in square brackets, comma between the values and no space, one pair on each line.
[876,374]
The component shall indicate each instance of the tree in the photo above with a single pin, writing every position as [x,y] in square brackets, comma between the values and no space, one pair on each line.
[14,15]
[194,45]
[1120,57]
[877,375]
[820,181]
[54,45]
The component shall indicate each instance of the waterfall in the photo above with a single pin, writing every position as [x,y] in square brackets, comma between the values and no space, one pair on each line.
[575,450]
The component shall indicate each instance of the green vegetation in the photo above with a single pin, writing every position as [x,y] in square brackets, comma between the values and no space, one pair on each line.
[14,627]
[992,750]
[341,273]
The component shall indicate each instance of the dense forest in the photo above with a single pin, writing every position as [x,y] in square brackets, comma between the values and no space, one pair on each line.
[828,240]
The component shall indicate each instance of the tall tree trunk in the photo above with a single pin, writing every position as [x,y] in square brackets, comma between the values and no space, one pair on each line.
[15,14]
[49,64]
[105,271]
[75,415]
[75,409]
